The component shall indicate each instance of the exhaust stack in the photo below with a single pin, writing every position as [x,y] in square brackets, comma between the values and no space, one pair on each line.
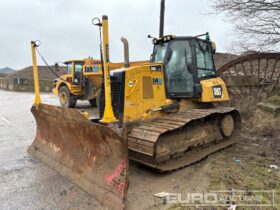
[126,52]
[161,24]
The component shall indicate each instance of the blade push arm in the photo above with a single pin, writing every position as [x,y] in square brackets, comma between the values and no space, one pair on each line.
[37,100]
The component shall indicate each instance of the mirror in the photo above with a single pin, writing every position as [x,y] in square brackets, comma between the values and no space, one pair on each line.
[56,66]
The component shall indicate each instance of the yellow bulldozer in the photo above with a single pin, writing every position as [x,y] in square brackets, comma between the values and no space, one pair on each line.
[159,113]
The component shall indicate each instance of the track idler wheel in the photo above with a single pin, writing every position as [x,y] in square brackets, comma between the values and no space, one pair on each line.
[227,125]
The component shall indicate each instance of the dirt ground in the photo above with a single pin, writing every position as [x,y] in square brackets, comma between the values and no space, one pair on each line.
[26,183]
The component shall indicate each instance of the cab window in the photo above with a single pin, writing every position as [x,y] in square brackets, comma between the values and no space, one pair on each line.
[205,64]
[177,66]
[69,68]
[78,72]
[78,68]
[159,52]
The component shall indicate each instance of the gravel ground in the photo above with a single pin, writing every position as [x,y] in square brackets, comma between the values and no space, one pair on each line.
[26,183]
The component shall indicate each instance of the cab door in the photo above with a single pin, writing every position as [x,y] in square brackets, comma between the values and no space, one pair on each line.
[77,73]
[179,73]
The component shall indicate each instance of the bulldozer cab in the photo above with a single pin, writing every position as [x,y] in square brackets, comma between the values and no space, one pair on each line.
[186,61]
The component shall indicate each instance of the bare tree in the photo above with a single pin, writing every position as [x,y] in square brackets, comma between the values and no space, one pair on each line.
[256,21]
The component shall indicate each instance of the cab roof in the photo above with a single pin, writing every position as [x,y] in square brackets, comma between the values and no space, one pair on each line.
[83,61]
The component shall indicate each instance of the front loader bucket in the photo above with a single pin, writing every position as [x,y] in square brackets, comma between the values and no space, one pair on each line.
[90,155]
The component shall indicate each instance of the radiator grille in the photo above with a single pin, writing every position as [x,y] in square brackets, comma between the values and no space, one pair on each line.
[117,100]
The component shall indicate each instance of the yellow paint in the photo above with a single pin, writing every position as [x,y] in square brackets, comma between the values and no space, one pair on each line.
[108,116]
[76,90]
[94,77]
[207,90]
[37,100]
[73,72]
[85,114]
[135,106]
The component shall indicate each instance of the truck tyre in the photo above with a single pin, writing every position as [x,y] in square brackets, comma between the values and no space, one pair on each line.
[95,101]
[66,99]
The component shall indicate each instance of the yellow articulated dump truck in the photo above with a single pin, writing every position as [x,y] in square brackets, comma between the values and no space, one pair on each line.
[82,82]
[159,113]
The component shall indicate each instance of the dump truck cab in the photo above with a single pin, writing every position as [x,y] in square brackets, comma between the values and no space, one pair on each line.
[75,70]
[72,79]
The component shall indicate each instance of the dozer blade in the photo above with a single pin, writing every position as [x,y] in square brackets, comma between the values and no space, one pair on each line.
[90,155]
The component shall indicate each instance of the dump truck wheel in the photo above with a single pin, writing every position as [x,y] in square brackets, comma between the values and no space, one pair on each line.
[66,99]
[93,102]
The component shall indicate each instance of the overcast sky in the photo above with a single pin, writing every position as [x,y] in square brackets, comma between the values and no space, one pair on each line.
[65,30]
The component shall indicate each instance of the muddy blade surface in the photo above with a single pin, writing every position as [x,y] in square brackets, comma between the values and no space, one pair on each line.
[90,155]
